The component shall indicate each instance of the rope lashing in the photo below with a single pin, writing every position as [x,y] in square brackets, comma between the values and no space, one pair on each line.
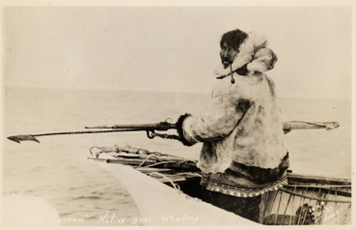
[174,185]
[313,198]
[150,156]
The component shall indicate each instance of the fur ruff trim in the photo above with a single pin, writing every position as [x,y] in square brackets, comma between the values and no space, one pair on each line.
[247,49]
[180,130]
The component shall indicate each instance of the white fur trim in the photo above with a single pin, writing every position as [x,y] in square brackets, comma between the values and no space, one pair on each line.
[260,65]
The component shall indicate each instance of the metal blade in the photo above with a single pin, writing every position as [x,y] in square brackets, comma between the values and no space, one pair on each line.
[20,138]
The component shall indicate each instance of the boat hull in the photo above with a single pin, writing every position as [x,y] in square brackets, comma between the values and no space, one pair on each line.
[160,205]
[170,194]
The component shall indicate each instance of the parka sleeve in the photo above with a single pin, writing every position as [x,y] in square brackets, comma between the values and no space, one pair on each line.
[263,60]
[218,121]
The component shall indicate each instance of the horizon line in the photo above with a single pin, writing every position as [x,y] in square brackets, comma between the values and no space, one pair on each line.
[164,91]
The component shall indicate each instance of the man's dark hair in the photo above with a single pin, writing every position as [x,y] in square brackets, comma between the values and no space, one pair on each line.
[233,38]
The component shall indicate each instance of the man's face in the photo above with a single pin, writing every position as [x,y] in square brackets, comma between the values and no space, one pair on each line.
[227,55]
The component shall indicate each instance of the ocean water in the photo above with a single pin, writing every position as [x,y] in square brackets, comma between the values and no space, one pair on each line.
[58,171]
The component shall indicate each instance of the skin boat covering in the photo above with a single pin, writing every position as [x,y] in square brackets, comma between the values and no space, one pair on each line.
[306,200]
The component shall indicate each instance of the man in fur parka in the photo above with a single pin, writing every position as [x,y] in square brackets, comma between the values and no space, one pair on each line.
[243,156]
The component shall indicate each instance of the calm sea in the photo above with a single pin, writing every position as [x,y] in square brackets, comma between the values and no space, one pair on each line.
[57,170]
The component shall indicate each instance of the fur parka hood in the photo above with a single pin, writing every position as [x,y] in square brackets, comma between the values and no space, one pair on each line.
[253,51]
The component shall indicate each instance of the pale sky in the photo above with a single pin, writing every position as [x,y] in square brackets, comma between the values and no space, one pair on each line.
[173,48]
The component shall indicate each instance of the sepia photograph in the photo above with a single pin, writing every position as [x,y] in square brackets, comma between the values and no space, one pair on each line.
[177,113]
